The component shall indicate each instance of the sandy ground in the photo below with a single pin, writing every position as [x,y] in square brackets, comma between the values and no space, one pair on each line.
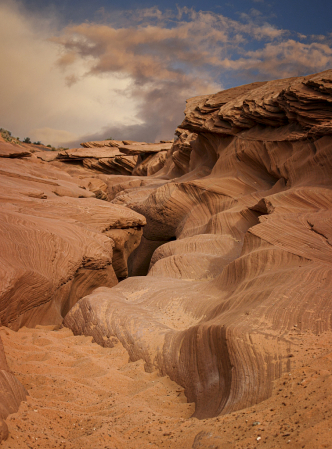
[84,396]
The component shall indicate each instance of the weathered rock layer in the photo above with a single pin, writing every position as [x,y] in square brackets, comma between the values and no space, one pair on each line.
[56,242]
[225,234]
[238,239]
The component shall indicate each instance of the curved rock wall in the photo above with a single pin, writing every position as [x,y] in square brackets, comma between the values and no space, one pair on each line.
[246,192]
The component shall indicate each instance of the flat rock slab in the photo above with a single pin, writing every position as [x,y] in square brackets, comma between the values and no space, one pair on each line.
[147,148]
[133,142]
[47,156]
[82,153]
[102,143]
[13,151]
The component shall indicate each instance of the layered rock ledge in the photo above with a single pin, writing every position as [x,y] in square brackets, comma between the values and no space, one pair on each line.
[117,157]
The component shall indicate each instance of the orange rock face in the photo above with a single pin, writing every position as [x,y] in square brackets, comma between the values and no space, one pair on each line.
[227,243]
[115,157]
[55,246]
[238,239]
[58,242]
[11,393]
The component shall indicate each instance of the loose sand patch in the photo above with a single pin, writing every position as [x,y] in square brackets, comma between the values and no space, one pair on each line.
[84,396]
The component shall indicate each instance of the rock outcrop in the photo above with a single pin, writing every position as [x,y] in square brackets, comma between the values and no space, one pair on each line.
[102,143]
[117,157]
[225,235]
[80,154]
[237,246]
[118,165]
[56,242]
[8,150]
[147,148]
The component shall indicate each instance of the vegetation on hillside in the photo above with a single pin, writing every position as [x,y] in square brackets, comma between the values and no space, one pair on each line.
[7,136]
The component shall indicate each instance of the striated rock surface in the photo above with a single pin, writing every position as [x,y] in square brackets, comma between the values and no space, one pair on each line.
[56,246]
[118,165]
[294,108]
[56,241]
[136,149]
[102,143]
[116,157]
[237,246]
[150,164]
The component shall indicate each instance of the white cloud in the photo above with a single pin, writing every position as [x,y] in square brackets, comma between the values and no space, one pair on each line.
[129,76]
[35,92]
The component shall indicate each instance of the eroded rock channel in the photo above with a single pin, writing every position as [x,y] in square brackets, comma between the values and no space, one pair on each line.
[225,235]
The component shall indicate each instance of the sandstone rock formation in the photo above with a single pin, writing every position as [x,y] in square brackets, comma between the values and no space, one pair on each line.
[136,149]
[225,235]
[238,239]
[117,165]
[79,154]
[116,157]
[150,164]
[13,151]
[11,393]
[47,156]
[102,143]
[56,242]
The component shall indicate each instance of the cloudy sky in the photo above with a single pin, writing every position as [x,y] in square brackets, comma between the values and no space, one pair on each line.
[75,70]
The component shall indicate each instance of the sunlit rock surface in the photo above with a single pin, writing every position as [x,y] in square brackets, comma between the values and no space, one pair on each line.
[102,143]
[237,246]
[135,149]
[87,153]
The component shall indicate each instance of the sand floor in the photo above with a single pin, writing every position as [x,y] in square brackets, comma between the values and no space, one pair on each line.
[83,396]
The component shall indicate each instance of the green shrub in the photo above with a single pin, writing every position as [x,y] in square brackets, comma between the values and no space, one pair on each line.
[6,135]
